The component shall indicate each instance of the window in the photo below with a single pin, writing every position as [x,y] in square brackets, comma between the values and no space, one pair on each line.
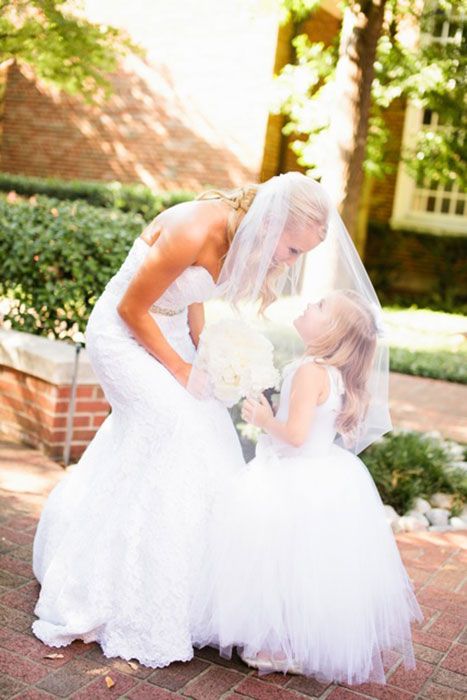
[423,204]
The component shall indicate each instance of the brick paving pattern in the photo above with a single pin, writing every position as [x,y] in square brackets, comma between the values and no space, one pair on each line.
[419,403]
[435,561]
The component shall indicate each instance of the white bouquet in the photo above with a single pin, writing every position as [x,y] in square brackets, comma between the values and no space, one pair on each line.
[238,360]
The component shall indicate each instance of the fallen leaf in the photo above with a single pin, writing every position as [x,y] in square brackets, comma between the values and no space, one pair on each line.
[109,681]
[133,665]
[53,656]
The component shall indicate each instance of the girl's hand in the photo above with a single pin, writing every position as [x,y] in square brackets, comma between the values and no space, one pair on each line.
[257,413]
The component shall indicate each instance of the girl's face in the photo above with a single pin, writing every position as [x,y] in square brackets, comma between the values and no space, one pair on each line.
[314,321]
[294,243]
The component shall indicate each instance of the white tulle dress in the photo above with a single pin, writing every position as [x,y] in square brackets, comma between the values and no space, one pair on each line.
[302,561]
[120,539]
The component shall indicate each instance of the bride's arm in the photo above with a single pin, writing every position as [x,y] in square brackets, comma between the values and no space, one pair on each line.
[178,246]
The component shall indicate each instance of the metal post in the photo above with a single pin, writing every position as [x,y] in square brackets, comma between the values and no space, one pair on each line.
[71,407]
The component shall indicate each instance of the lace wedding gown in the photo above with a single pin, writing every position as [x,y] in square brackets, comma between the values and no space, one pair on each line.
[120,539]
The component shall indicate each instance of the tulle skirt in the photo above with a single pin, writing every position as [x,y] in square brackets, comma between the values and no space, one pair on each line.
[301,562]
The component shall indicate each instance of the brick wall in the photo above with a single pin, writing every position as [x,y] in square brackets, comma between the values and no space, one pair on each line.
[35,412]
[192,113]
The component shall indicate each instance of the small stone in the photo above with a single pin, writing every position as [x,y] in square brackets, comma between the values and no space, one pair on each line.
[410,524]
[442,500]
[419,516]
[391,514]
[421,505]
[440,528]
[458,523]
[438,516]
[397,526]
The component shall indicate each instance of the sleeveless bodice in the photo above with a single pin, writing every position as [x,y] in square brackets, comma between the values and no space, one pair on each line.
[323,428]
[194,284]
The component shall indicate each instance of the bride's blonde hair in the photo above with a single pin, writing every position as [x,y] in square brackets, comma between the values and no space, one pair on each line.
[307,203]
[239,198]
[349,344]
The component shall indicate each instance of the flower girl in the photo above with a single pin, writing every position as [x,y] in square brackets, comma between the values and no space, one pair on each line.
[303,571]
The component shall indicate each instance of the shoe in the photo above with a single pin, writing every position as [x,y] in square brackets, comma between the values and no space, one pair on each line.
[271,665]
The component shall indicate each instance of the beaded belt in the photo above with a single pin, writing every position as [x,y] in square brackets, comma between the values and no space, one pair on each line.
[166,312]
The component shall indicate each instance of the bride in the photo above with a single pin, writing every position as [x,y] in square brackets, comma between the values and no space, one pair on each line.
[119,544]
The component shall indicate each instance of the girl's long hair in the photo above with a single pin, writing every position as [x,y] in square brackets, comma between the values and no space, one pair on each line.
[350,344]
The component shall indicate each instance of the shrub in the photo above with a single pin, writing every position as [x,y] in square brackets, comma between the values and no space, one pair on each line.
[406,465]
[128,198]
[437,364]
[56,258]
[392,257]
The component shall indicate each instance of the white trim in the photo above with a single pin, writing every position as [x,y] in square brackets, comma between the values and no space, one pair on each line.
[403,216]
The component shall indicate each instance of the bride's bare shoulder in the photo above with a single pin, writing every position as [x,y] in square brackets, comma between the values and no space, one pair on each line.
[193,221]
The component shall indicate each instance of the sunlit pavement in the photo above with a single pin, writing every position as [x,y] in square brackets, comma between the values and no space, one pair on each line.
[435,561]
[419,403]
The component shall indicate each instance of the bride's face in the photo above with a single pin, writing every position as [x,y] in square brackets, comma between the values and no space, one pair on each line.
[294,243]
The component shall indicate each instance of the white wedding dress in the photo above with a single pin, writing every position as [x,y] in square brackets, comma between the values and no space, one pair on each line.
[301,560]
[121,537]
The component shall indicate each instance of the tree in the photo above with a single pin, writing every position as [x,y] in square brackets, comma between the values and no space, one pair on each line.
[335,97]
[61,45]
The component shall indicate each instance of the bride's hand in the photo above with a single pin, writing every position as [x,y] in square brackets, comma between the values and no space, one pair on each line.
[196,381]
[182,374]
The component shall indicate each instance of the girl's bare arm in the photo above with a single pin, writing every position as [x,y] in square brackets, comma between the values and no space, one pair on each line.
[309,384]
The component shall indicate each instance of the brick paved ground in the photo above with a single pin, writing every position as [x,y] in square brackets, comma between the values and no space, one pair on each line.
[424,404]
[435,561]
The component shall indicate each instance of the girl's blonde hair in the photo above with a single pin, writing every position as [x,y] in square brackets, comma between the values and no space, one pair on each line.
[307,204]
[350,344]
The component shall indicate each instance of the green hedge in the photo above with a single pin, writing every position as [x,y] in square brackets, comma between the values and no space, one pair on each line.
[407,465]
[135,198]
[436,364]
[55,259]
[441,256]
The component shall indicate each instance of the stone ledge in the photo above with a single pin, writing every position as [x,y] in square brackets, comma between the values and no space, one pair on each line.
[51,360]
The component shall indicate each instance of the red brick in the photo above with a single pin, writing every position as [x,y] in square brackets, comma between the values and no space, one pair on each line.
[145,691]
[433,691]
[78,421]
[213,684]
[446,626]
[14,536]
[15,566]
[98,420]
[344,694]
[20,668]
[411,680]
[98,688]
[456,660]
[452,680]
[20,600]
[259,690]
[91,406]
[178,674]
[83,435]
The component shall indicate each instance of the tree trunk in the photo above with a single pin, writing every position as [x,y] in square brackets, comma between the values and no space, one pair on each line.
[343,169]
[361,228]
